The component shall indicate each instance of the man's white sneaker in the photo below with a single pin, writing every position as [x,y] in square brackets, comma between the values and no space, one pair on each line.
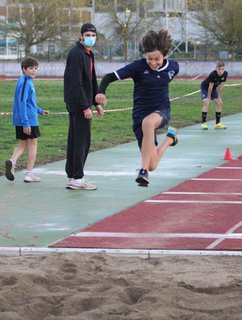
[30,177]
[69,183]
[9,167]
[80,184]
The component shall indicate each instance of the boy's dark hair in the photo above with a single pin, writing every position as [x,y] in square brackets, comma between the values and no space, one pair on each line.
[29,62]
[159,40]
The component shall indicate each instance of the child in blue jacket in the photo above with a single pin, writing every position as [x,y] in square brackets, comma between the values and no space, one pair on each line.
[25,120]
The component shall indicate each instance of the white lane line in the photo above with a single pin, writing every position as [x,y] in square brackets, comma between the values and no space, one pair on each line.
[204,193]
[214,179]
[193,201]
[87,172]
[228,233]
[229,168]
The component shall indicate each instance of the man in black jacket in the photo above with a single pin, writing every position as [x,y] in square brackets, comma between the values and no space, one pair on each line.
[80,88]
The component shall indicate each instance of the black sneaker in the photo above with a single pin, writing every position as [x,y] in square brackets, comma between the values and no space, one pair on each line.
[143,185]
[9,173]
[143,178]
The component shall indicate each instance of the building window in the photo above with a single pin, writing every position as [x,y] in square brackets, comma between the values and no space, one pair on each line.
[104,6]
[39,47]
[2,51]
[85,16]
[124,4]
[51,48]
[13,50]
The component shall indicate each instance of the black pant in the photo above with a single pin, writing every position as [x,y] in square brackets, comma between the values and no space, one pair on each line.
[78,144]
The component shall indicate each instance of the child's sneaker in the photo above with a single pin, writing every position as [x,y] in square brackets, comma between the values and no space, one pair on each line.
[204,126]
[220,126]
[9,173]
[30,177]
[171,133]
[80,184]
[143,178]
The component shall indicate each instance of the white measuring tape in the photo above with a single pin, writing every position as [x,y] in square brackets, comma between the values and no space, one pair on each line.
[129,108]
[109,110]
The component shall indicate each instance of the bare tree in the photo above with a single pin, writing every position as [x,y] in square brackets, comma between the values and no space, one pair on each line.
[222,20]
[128,22]
[127,27]
[35,21]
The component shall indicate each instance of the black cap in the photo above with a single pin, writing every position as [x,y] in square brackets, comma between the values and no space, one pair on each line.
[88,27]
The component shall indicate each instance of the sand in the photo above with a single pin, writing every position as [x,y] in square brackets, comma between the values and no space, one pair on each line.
[76,286]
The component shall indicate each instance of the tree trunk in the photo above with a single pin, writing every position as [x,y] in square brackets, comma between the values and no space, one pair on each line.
[27,50]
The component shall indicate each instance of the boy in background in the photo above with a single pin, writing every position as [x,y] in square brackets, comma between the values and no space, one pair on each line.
[209,92]
[25,120]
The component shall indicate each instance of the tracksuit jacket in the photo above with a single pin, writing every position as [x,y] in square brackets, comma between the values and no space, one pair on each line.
[80,87]
[25,109]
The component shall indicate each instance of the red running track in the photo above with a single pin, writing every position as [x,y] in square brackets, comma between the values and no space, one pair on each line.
[204,213]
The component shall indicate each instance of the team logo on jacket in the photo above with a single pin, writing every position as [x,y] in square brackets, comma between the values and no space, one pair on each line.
[171,74]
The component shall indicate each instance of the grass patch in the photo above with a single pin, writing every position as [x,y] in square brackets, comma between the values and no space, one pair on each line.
[114,128]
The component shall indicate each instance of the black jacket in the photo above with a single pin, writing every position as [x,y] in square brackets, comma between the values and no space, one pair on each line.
[80,87]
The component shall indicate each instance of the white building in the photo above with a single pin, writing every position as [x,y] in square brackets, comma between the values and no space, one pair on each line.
[170,14]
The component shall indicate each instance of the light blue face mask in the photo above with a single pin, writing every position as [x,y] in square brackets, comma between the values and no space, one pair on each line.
[89,41]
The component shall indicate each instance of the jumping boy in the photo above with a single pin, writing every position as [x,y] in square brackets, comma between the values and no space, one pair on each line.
[25,120]
[151,104]
[209,92]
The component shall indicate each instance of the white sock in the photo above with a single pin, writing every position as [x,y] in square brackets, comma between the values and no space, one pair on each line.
[13,162]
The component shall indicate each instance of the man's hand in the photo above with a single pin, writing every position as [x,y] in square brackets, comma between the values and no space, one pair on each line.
[88,113]
[101,99]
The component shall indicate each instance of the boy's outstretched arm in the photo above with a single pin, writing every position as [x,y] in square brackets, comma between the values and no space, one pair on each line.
[106,80]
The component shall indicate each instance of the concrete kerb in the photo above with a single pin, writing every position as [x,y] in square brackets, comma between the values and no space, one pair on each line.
[23,251]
